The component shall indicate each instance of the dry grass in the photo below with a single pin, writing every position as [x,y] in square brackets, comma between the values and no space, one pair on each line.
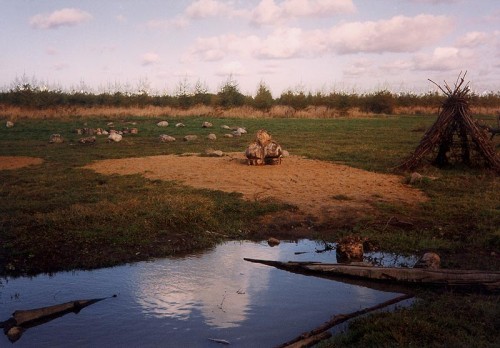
[14,113]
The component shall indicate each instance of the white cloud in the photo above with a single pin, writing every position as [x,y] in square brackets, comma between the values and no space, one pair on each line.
[443,59]
[473,39]
[232,68]
[271,12]
[434,2]
[398,34]
[150,58]
[207,8]
[178,22]
[360,67]
[60,18]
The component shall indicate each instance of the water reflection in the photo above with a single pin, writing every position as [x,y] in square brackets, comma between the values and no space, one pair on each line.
[218,285]
[183,302]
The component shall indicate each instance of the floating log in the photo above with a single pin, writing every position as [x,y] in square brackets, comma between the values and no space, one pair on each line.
[466,280]
[24,319]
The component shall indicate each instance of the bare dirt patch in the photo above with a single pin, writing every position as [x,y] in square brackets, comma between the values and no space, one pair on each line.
[320,189]
[16,162]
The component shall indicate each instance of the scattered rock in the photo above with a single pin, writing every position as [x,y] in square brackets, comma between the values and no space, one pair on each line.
[190,137]
[225,127]
[134,130]
[350,249]
[241,130]
[273,242]
[88,131]
[214,153]
[110,124]
[115,137]
[227,135]
[429,260]
[285,153]
[236,134]
[56,139]
[180,124]
[211,136]
[9,124]
[166,138]
[273,153]
[87,140]
[207,125]
[162,124]
[415,178]
[254,154]
[104,132]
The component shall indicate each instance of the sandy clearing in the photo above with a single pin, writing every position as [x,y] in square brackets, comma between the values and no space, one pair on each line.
[317,188]
[16,162]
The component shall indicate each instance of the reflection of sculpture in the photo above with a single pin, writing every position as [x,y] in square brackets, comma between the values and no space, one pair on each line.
[25,319]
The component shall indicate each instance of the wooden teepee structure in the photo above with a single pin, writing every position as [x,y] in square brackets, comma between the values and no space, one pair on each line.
[455,137]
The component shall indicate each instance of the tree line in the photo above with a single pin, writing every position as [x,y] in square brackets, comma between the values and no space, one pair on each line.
[228,96]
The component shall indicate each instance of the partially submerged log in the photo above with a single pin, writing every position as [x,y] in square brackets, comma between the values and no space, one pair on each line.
[443,278]
[25,319]
[310,338]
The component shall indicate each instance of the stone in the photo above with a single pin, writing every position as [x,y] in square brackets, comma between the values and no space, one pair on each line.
[254,154]
[272,242]
[115,137]
[190,137]
[214,153]
[225,127]
[350,249]
[87,140]
[263,137]
[162,124]
[241,130]
[415,178]
[9,124]
[227,135]
[166,138]
[211,136]
[236,134]
[180,125]
[134,130]
[79,131]
[429,260]
[272,153]
[56,139]
[104,132]
[207,125]
[285,153]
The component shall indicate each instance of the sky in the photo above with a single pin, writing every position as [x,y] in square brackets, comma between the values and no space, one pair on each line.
[163,46]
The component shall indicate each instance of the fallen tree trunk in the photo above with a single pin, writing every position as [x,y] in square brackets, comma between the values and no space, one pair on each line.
[320,333]
[447,278]
[24,319]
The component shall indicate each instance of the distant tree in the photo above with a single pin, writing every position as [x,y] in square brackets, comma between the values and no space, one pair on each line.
[381,102]
[263,99]
[229,94]
[201,94]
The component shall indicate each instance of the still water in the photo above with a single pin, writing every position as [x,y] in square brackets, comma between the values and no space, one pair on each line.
[185,302]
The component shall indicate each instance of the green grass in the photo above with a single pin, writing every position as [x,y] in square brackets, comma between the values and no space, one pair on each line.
[58,216]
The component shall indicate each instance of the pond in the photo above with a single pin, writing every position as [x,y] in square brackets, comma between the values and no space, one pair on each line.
[185,302]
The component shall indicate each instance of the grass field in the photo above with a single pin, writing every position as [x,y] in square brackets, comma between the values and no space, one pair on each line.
[57,216]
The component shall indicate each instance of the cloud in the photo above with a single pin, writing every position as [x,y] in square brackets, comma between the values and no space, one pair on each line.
[398,34]
[232,68]
[473,39]
[207,8]
[270,12]
[360,67]
[434,2]
[178,22]
[443,59]
[65,17]
[150,58]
